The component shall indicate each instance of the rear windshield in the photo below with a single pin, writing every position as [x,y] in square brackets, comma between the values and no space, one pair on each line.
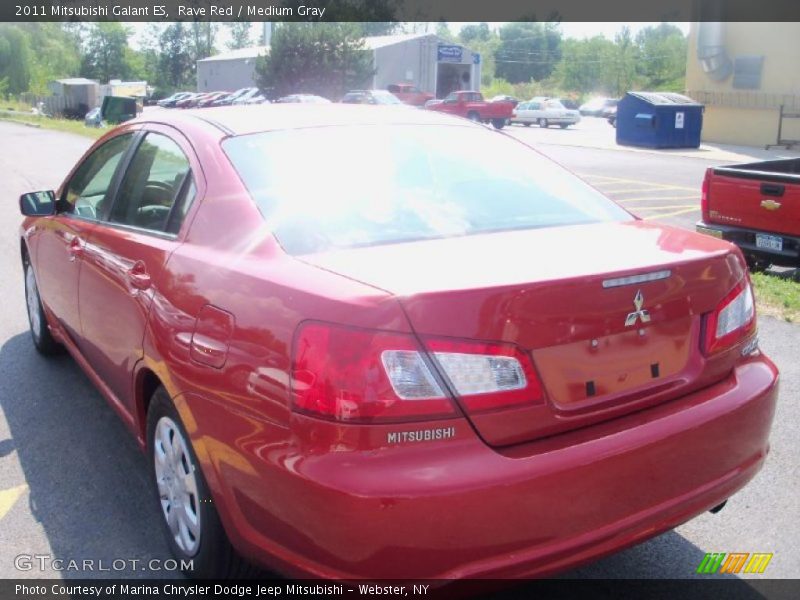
[340,187]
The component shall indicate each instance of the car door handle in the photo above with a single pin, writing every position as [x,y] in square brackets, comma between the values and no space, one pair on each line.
[75,248]
[138,276]
[772,189]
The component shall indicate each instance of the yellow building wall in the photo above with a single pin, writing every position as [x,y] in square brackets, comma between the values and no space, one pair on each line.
[750,117]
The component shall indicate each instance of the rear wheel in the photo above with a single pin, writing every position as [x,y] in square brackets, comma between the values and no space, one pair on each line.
[192,525]
[755,264]
[543,123]
[43,340]
[498,123]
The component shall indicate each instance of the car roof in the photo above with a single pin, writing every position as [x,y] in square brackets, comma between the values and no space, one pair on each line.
[243,120]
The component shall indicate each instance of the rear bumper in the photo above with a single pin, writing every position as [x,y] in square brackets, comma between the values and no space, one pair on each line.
[458,508]
[746,240]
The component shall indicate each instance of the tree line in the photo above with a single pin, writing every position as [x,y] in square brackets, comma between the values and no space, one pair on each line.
[534,57]
[521,58]
[32,54]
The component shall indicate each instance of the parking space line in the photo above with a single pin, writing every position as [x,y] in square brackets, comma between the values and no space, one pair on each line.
[639,182]
[671,206]
[672,214]
[637,190]
[659,198]
[9,497]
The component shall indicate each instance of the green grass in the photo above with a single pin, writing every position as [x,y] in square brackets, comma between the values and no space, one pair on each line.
[65,125]
[14,104]
[777,295]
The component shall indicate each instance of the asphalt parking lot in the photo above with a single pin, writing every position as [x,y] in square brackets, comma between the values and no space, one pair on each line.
[663,186]
[73,484]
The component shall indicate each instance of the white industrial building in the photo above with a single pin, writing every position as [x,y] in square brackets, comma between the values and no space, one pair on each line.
[229,71]
[431,63]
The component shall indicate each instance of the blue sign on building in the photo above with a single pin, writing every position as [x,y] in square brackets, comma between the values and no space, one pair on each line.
[450,53]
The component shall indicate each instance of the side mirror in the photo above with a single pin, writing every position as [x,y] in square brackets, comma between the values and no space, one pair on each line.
[38,204]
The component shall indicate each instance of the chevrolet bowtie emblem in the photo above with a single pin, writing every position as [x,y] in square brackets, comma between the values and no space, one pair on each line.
[639,313]
[770,204]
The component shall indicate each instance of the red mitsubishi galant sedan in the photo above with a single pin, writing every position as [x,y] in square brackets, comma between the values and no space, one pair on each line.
[377,342]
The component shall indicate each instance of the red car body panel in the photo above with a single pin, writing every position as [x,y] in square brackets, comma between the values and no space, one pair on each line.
[214,322]
[465,105]
[410,94]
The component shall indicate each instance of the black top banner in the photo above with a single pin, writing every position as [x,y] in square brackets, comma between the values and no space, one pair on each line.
[400,10]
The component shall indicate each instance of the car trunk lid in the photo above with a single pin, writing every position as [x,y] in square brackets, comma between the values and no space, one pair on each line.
[610,313]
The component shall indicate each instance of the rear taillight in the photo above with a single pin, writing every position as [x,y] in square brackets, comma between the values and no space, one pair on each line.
[363,376]
[704,194]
[732,320]
[486,376]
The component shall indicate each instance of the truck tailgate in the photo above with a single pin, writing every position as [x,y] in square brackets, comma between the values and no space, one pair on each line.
[754,200]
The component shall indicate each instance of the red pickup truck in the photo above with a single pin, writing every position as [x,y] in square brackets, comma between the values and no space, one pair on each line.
[472,106]
[757,207]
[409,94]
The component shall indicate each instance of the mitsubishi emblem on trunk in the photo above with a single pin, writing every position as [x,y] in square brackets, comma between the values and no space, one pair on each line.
[639,313]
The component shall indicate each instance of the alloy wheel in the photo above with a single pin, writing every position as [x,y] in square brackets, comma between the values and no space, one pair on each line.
[177,485]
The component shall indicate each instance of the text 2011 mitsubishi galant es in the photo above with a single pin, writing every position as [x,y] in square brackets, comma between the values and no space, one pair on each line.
[378,342]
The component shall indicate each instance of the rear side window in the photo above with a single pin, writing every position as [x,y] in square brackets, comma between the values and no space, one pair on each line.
[157,187]
[86,192]
[338,187]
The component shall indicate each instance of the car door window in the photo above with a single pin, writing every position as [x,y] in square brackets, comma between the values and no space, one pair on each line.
[87,191]
[157,187]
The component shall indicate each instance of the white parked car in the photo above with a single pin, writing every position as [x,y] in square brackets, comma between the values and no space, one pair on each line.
[544,112]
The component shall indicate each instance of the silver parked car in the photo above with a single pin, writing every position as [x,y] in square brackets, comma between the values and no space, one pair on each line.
[544,112]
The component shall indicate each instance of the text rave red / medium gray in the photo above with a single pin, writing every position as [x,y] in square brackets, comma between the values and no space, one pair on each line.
[377,342]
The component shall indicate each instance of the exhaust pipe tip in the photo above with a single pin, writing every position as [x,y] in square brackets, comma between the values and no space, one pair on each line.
[718,508]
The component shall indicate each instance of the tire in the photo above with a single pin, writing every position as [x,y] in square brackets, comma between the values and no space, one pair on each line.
[543,123]
[564,125]
[473,116]
[200,537]
[498,123]
[43,340]
[756,265]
